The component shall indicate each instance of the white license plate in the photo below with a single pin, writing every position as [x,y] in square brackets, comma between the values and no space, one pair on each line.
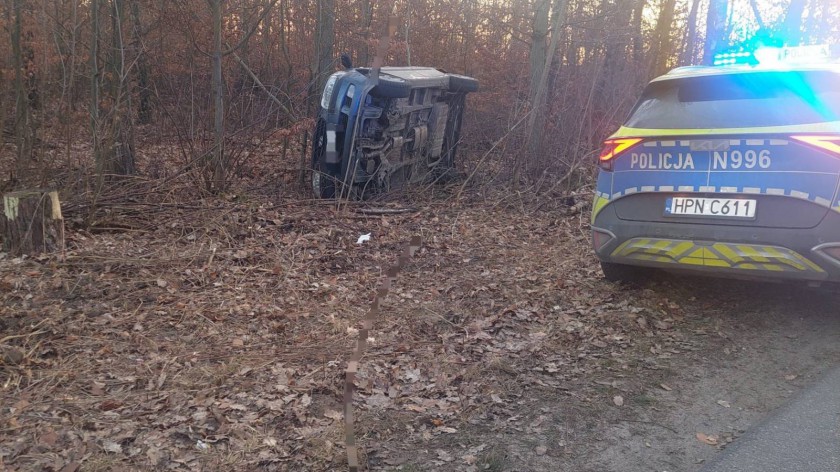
[717,207]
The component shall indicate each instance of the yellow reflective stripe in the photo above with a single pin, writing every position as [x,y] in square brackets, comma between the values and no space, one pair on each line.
[825,127]
[807,262]
[661,247]
[782,258]
[722,255]
[752,254]
[619,251]
[716,263]
[708,254]
[728,253]
[697,253]
[773,267]
[598,205]
[680,248]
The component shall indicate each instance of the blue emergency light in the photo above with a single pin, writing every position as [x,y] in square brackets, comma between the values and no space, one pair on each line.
[775,55]
[730,58]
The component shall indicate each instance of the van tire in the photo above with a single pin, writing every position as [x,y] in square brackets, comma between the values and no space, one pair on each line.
[462,83]
[391,89]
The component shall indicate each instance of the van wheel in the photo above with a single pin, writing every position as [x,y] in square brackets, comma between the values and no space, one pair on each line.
[462,83]
[393,88]
[624,273]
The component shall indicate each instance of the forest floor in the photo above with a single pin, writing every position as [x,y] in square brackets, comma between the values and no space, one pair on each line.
[214,334]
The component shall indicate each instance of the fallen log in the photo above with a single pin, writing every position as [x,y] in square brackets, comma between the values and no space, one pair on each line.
[31,222]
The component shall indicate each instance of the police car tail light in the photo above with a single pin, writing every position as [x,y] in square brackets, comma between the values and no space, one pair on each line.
[830,143]
[600,238]
[612,148]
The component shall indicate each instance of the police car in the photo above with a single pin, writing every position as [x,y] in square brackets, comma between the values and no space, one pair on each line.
[730,169]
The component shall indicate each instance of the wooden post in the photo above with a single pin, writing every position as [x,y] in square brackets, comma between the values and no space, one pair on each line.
[31,222]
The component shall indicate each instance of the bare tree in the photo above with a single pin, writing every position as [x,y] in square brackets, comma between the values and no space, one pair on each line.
[144,92]
[792,25]
[716,29]
[220,169]
[24,128]
[688,52]
[661,50]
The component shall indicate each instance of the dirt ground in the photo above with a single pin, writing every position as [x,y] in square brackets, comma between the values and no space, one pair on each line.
[214,336]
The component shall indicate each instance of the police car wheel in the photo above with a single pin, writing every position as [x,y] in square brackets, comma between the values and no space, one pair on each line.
[624,273]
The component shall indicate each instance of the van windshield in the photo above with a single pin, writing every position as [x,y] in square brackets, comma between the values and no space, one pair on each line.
[742,100]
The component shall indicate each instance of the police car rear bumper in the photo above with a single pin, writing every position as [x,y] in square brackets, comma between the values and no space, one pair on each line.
[787,253]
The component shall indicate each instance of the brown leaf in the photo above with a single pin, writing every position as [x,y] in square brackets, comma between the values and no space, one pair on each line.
[70,467]
[109,405]
[334,415]
[665,387]
[710,440]
[48,439]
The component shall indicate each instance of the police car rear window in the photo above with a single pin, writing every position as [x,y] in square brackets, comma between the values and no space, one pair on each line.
[743,100]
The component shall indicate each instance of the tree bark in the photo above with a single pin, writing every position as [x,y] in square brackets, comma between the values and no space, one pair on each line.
[31,222]
[24,136]
[662,38]
[95,125]
[219,164]
[792,27]
[536,121]
[144,105]
[715,30]
[118,150]
[324,43]
[691,34]
[638,47]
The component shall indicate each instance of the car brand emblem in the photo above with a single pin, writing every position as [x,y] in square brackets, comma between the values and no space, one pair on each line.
[710,145]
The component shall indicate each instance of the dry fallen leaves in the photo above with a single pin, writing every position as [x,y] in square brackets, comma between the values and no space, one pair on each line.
[707,439]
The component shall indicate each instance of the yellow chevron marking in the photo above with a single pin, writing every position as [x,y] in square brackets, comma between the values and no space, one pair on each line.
[752,254]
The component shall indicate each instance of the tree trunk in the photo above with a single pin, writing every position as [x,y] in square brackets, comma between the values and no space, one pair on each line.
[691,34]
[23,115]
[144,106]
[537,58]
[95,125]
[31,222]
[638,47]
[324,43]
[792,27]
[366,20]
[117,157]
[536,122]
[219,165]
[715,30]
[662,38]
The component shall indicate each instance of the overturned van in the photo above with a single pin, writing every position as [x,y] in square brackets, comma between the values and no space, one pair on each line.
[379,131]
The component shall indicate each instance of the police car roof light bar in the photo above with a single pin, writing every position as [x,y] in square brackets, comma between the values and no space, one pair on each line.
[775,55]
